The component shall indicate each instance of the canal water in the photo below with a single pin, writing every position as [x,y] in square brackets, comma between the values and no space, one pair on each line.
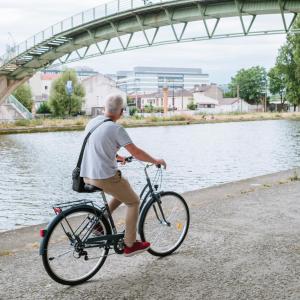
[35,169]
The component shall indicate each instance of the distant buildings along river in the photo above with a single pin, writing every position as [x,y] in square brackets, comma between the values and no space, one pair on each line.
[152,79]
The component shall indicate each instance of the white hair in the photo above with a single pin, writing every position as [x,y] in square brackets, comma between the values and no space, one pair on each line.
[113,104]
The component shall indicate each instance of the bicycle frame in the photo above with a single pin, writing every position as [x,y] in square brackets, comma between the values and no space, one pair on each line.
[151,192]
[148,190]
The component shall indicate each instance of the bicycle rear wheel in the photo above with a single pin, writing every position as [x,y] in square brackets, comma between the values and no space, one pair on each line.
[66,257]
[165,237]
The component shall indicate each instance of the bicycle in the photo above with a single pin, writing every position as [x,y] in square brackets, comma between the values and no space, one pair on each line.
[72,253]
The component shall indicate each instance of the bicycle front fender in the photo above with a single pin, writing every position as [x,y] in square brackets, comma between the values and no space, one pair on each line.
[145,203]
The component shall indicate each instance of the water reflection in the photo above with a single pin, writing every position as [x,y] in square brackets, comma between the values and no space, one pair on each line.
[36,168]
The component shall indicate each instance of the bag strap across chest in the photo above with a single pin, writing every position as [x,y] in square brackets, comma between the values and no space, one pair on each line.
[86,139]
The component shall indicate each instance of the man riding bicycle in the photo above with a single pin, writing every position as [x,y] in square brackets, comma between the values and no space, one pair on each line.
[99,168]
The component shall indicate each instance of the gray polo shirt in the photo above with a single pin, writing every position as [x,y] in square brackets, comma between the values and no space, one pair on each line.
[99,158]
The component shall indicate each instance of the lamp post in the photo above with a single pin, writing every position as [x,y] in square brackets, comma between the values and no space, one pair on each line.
[238,96]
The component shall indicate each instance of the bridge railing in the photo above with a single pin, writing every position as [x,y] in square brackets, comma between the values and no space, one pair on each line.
[84,17]
[19,106]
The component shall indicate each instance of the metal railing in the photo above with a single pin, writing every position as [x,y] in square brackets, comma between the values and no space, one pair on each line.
[98,12]
[19,107]
[57,30]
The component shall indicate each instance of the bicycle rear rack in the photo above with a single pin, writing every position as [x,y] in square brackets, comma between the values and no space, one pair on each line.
[60,207]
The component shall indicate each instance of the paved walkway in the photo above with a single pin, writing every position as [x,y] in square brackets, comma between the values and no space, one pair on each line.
[244,243]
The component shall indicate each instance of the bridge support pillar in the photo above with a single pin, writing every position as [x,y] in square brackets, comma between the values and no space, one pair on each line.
[7,86]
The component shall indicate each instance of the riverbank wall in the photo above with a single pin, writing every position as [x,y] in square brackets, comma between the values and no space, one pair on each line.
[55,125]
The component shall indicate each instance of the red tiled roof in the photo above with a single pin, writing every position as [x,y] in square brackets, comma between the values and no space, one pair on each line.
[50,76]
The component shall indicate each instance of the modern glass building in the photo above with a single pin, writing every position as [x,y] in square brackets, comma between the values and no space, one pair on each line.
[152,79]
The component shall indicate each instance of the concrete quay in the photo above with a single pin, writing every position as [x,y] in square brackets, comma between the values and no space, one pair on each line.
[243,243]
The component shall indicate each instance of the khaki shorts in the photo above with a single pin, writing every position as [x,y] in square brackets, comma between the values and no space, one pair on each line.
[117,186]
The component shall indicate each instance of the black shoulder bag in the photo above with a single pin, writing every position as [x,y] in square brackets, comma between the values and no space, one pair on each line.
[78,183]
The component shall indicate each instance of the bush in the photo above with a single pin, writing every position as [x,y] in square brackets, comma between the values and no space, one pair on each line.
[152,109]
[179,118]
[235,113]
[79,123]
[192,106]
[36,122]
[138,117]
[132,111]
[44,108]
[154,119]
[22,122]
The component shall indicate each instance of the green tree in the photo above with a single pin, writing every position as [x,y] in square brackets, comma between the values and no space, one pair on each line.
[24,95]
[277,83]
[229,94]
[60,102]
[296,40]
[251,83]
[288,64]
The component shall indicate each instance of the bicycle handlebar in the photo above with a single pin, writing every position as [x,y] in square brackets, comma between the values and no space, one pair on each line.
[127,159]
[131,158]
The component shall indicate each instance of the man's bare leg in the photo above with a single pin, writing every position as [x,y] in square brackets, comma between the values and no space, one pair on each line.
[114,204]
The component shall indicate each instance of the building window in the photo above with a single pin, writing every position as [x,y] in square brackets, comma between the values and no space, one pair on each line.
[206,105]
[46,87]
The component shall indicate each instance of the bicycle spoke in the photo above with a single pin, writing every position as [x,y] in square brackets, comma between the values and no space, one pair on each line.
[165,224]
[60,255]
[67,256]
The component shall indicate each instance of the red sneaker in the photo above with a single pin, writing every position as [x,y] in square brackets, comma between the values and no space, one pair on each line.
[138,247]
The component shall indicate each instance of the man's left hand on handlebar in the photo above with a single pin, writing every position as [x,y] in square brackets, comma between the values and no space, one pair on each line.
[161,162]
[121,159]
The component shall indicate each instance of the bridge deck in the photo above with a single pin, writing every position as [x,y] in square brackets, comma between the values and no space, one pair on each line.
[120,20]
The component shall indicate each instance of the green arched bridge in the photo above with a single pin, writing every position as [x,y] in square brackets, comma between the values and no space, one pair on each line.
[124,25]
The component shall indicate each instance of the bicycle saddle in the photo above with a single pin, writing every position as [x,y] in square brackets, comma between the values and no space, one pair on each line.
[91,188]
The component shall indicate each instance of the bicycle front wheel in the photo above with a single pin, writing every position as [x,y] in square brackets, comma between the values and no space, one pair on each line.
[165,223]
[67,258]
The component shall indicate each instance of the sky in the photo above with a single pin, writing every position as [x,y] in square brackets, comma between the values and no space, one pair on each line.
[221,59]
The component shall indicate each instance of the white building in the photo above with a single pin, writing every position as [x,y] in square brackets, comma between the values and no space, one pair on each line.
[153,79]
[237,105]
[204,102]
[97,88]
[179,100]
[207,98]
[42,81]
